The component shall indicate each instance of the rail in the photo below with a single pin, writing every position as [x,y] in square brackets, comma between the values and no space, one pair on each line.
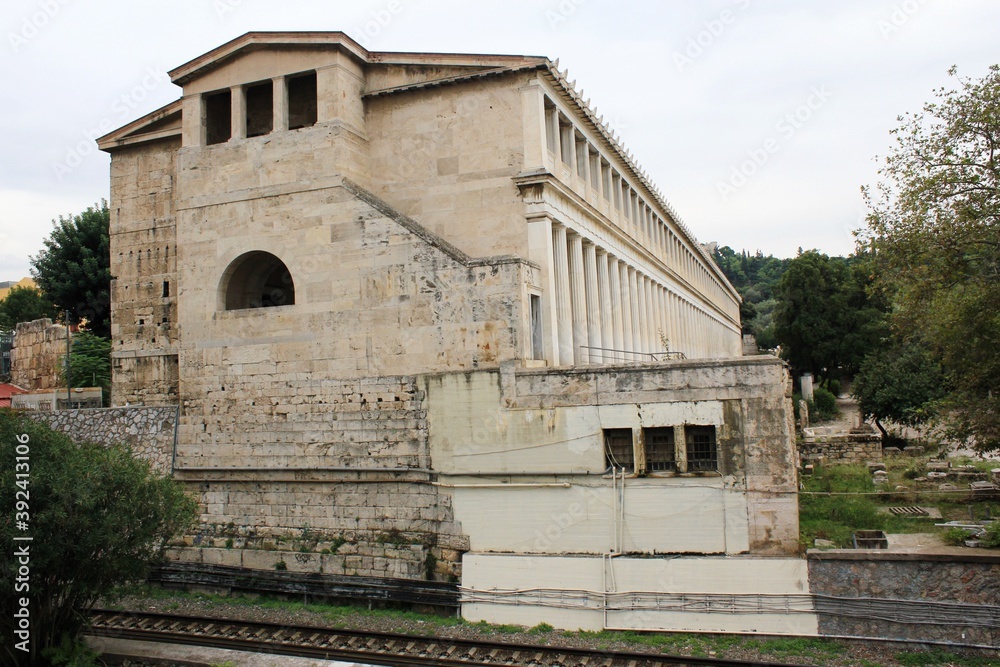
[373,648]
[611,355]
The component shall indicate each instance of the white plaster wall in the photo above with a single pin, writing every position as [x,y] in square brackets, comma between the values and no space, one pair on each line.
[483,573]
[675,515]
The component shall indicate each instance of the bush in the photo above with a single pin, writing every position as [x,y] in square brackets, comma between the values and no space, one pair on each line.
[98,518]
[825,404]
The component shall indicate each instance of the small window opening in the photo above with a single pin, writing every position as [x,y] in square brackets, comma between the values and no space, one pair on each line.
[702,452]
[302,101]
[536,327]
[660,454]
[257,280]
[618,449]
[260,108]
[166,288]
[218,117]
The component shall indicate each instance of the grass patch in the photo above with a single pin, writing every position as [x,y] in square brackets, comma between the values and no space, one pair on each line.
[942,657]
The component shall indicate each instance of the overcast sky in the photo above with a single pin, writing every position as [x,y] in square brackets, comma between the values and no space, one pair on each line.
[758,119]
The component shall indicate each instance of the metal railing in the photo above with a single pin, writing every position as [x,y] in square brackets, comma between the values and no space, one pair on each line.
[606,355]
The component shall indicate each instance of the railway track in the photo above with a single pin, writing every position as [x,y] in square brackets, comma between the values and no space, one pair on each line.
[374,648]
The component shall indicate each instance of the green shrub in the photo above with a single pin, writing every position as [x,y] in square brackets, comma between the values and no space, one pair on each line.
[833,386]
[955,536]
[825,404]
[991,538]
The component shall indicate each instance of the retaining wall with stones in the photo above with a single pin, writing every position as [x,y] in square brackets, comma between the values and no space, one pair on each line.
[922,597]
[842,449]
[148,431]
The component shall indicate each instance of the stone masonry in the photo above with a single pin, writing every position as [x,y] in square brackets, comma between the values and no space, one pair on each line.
[37,356]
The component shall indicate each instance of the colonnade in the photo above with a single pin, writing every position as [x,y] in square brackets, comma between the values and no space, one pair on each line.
[606,311]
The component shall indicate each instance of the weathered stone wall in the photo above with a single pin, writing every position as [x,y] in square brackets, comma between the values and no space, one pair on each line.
[310,463]
[950,598]
[389,524]
[144,269]
[845,449]
[148,431]
[38,354]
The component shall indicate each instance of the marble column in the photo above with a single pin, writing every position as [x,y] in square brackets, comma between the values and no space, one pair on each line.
[593,305]
[578,298]
[564,310]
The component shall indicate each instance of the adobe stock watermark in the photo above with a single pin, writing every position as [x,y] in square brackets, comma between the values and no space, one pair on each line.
[711,31]
[786,128]
[32,24]
[225,7]
[899,16]
[562,12]
[22,550]
[123,108]
[379,20]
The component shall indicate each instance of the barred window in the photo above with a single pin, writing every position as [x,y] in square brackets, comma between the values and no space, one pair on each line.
[702,451]
[660,454]
[618,449]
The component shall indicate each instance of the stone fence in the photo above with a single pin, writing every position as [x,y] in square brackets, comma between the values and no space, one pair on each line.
[149,431]
[953,597]
[855,446]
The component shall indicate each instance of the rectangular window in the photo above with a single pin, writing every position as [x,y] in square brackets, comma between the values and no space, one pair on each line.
[218,117]
[166,288]
[260,108]
[618,449]
[536,327]
[660,453]
[302,101]
[702,452]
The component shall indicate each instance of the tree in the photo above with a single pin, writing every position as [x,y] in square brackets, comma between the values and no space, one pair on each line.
[90,362]
[98,518]
[74,269]
[825,319]
[934,228]
[900,382]
[24,304]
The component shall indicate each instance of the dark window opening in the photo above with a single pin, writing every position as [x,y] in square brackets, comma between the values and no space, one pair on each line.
[257,280]
[536,327]
[702,452]
[302,101]
[166,288]
[218,117]
[260,108]
[618,449]
[660,453]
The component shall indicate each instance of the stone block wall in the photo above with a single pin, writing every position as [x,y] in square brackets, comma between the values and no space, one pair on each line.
[842,449]
[945,598]
[148,431]
[144,268]
[38,354]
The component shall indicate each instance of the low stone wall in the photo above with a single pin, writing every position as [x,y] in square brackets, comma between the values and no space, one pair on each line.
[148,431]
[844,448]
[921,597]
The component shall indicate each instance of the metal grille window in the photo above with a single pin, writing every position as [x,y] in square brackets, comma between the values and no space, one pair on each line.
[702,452]
[660,454]
[618,449]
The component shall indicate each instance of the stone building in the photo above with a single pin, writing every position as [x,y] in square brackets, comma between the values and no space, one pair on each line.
[426,318]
